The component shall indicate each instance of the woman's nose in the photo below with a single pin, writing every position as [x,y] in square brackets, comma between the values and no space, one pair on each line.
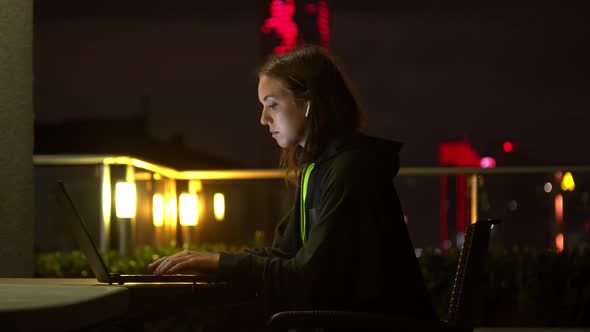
[264,119]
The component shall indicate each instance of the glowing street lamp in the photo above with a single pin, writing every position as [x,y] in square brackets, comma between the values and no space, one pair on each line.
[189,208]
[219,206]
[158,210]
[567,183]
[125,199]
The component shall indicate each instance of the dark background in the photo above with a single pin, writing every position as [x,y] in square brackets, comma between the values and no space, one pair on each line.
[174,82]
[427,71]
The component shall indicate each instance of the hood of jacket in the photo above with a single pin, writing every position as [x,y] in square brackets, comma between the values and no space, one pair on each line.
[381,154]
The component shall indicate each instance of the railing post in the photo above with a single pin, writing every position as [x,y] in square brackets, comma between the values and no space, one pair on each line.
[474,198]
[127,225]
[444,210]
[106,201]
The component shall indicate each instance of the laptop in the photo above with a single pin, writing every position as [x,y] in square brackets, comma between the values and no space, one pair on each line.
[97,265]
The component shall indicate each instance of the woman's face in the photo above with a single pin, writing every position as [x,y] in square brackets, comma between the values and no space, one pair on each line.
[280,112]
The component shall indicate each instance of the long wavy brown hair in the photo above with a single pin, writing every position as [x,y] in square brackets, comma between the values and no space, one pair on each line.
[312,74]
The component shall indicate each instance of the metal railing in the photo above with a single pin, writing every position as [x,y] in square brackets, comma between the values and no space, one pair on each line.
[140,170]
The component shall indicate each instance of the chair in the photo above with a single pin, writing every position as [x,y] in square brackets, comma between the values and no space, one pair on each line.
[464,306]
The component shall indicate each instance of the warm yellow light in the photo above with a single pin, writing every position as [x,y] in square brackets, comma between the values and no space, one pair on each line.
[107,202]
[142,176]
[171,209]
[125,199]
[219,206]
[158,210]
[567,183]
[189,209]
[195,186]
[559,242]
[559,208]
[106,195]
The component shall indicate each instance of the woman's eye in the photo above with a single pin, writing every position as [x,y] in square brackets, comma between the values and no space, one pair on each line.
[272,106]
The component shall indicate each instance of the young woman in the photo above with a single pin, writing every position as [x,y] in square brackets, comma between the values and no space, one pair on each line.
[344,245]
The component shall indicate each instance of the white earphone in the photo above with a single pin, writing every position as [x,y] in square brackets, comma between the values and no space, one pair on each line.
[307,110]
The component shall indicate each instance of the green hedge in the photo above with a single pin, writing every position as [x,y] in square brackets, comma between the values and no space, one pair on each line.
[74,264]
[523,287]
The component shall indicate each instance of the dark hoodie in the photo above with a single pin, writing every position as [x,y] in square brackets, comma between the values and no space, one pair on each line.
[357,255]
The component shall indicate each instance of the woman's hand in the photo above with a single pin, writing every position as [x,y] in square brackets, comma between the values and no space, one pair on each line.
[186,261]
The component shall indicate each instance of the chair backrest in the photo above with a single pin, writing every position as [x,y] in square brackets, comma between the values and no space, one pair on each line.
[467,293]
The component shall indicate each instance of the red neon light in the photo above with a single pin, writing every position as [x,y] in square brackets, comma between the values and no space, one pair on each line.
[487,162]
[507,147]
[286,30]
[324,29]
[458,154]
[281,21]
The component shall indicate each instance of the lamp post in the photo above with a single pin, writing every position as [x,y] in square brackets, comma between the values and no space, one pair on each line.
[126,206]
[188,206]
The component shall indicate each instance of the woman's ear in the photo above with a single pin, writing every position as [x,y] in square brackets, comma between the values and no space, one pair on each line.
[307,110]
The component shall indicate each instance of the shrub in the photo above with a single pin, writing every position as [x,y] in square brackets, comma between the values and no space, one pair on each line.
[523,286]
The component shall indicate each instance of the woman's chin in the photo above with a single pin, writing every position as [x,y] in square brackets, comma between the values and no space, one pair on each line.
[281,143]
[285,145]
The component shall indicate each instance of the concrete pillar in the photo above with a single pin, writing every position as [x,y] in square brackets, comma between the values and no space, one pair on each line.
[16,138]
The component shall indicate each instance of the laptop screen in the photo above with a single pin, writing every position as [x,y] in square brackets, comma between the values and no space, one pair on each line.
[80,231]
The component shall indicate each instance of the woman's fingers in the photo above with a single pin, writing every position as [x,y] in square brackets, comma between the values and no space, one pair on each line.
[158,263]
[169,262]
[180,266]
[155,263]
[173,260]
[186,261]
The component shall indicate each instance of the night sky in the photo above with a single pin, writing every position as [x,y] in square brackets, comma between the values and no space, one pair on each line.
[426,72]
